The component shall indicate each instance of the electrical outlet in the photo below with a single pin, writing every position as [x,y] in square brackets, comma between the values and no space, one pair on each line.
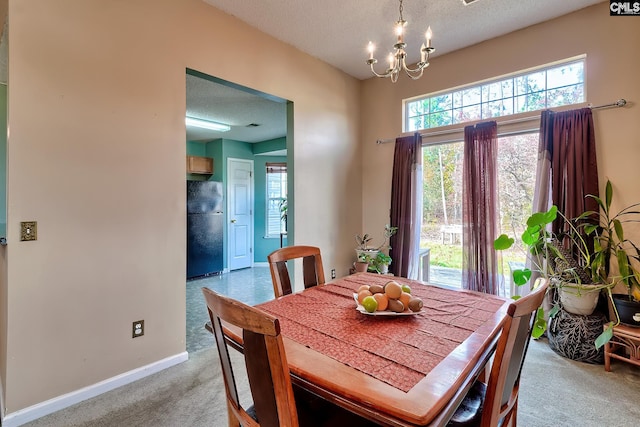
[333,273]
[138,329]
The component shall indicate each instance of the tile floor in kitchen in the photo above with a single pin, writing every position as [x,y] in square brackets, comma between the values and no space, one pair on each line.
[250,285]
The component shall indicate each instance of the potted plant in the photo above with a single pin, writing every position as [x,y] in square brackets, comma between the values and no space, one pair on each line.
[362,264]
[570,276]
[283,212]
[565,260]
[612,247]
[572,270]
[380,264]
[557,263]
[364,240]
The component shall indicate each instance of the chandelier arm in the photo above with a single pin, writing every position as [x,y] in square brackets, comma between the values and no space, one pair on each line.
[413,71]
[415,76]
[419,67]
[383,75]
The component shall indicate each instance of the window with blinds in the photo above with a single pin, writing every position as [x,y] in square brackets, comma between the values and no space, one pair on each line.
[275,221]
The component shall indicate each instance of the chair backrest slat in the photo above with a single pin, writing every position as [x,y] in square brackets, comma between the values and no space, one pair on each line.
[313,272]
[260,379]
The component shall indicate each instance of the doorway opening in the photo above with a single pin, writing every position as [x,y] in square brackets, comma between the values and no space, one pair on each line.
[252,128]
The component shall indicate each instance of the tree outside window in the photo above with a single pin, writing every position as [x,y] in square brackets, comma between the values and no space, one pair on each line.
[550,86]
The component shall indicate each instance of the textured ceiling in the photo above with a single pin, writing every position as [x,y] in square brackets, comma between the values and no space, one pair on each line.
[337,31]
[240,109]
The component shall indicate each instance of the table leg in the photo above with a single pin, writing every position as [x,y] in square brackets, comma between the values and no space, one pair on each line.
[607,357]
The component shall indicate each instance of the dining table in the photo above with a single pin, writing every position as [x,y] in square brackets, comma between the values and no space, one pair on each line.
[409,369]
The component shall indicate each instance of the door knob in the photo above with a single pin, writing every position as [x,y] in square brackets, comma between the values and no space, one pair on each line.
[233,221]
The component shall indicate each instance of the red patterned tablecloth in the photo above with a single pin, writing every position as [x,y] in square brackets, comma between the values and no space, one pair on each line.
[397,350]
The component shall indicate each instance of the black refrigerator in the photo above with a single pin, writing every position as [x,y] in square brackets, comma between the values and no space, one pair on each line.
[204,228]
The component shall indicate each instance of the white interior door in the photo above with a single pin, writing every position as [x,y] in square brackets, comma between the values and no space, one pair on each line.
[240,213]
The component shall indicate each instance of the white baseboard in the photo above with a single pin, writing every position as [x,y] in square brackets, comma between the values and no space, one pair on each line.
[261,264]
[15,419]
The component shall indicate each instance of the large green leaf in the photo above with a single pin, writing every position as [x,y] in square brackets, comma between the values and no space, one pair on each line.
[609,194]
[503,242]
[543,218]
[605,336]
[540,325]
[586,215]
[590,228]
[551,214]
[597,246]
[520,277]
[623,265]
[531,235]
[618,227]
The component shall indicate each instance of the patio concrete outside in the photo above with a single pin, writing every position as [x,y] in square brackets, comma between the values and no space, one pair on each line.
[452,277]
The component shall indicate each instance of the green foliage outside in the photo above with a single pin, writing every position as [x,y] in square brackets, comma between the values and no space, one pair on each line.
[445,255]
[537,90]
[450,256]
[442,196]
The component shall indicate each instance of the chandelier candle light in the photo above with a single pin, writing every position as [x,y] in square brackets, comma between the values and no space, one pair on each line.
[397,59]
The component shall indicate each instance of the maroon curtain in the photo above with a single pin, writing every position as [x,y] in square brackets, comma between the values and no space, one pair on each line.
[480,208]
[570,138]
[403,215]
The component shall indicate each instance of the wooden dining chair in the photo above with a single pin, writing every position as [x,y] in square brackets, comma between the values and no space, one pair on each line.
[276,403]
[265,359]
[496,403]
[312,270]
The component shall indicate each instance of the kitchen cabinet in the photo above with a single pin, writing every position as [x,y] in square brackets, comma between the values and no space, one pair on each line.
[199,165]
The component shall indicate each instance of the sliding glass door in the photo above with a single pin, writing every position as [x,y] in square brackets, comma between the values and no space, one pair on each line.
[442,204]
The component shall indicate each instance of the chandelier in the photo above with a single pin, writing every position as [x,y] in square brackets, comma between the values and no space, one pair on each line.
[397,60]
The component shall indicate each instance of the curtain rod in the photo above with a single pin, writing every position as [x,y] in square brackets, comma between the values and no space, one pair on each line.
[619,103]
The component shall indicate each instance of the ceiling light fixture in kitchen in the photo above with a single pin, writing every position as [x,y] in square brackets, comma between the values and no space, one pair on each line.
[206,124]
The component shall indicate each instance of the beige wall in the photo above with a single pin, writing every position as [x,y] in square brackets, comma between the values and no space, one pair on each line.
[96,156]
[610,44]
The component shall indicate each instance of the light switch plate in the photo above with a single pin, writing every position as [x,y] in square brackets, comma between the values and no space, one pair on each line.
[28,230]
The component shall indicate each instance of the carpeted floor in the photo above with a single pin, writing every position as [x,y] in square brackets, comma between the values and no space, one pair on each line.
[560,392]
[554,392]
[190,394]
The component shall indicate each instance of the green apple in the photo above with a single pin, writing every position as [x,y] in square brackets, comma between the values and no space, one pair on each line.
[370,304]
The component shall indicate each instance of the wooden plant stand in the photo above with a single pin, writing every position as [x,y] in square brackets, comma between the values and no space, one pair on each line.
[624,337]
